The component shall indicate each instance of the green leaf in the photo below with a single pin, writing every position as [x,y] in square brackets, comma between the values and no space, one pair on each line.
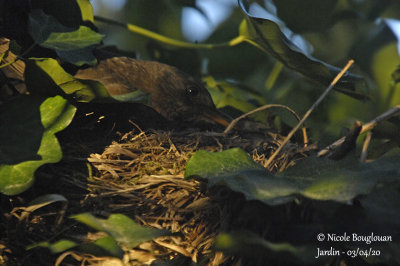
[79,57]
[48,32]
[69,41]
[314,178]
[86,10]
[205,163]
[27,128]
[106,246]
[384,64]
[121,228]
[251,245]
[44,76]
[267,35]
[235,169]
[57,247]
[225,93]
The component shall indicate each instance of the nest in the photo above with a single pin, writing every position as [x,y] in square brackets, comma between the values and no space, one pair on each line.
[142,177]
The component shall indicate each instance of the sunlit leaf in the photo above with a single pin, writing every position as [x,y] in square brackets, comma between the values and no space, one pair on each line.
[225,93]
[86,10]
[27,138]
[204,163]
[45,76]
[121,228]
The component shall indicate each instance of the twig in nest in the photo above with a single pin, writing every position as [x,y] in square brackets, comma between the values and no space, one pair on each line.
[323,95]
[364,151]
[262,108]
[17,57]
[348,144]
[175,248]
[368,126]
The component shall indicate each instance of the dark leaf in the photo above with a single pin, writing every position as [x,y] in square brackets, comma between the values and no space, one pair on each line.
[69,13]
[48,32]
[43,201]
[251,245]
[267,35]
[79,57]
[314,178]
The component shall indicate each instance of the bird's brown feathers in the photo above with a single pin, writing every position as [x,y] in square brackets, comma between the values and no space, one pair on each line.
[171,90]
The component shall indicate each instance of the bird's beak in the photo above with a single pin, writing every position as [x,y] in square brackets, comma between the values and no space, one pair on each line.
[217,117]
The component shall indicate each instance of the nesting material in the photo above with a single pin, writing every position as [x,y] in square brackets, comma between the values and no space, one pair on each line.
[142,177]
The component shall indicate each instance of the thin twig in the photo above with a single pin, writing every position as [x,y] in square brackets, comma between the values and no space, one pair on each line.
[368,126]
[323,95]
[364,151]
[262,108]
[19,57]
[173,247]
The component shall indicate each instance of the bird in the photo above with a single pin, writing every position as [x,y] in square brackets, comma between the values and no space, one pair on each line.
[172,93]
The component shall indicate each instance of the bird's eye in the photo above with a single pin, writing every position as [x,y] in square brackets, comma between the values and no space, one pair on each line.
[192,91]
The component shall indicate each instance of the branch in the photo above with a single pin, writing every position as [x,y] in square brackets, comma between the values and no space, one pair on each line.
[319,100]
[368,126]
[161,38]
[262,108]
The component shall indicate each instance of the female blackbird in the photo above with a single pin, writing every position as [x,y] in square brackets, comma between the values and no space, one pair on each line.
[172,93]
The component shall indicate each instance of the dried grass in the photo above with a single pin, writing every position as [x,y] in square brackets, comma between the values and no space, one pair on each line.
[142,176]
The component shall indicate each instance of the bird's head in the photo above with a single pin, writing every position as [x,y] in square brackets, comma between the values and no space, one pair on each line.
[179,97]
